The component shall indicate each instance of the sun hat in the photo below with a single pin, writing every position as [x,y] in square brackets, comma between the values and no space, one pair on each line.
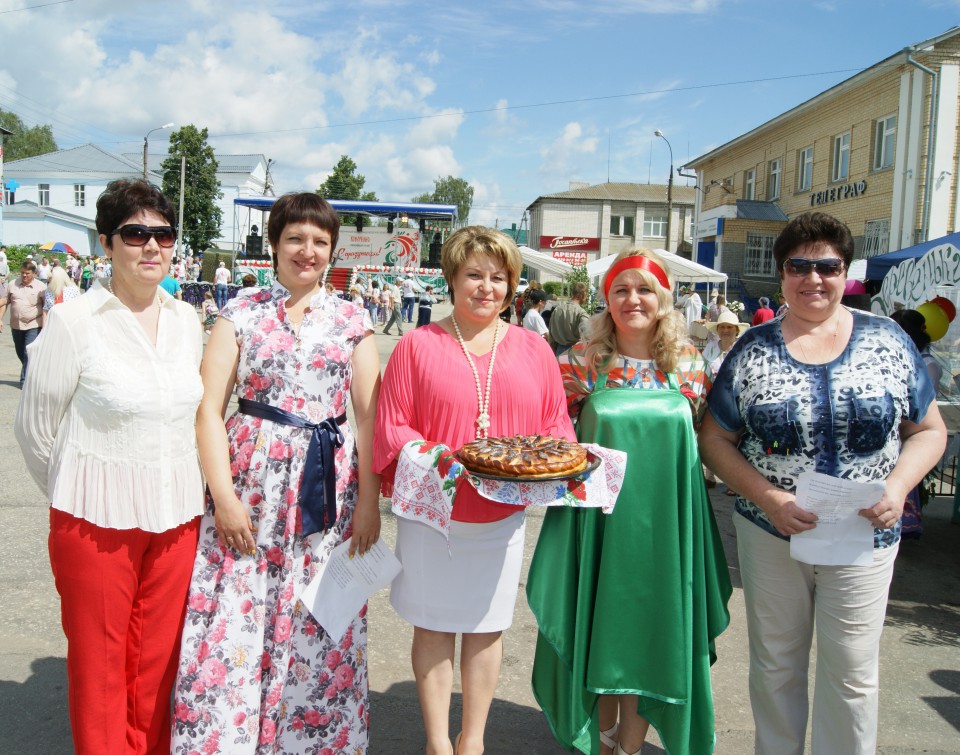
[726,318]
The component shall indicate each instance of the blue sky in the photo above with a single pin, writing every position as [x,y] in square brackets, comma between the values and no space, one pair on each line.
[518,98]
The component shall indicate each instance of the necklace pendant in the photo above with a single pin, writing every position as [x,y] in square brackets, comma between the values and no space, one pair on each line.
[483,421]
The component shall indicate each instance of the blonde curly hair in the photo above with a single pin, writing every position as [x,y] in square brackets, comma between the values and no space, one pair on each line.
[668,339]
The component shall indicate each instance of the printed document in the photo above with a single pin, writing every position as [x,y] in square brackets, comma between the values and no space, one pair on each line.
[339,590]
[841,537]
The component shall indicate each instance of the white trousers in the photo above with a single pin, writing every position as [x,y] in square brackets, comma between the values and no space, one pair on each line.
[785,600]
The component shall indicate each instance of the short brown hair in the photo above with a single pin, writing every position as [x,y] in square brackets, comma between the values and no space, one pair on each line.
[124,198]
[810,228]
[302,207]
[485,242]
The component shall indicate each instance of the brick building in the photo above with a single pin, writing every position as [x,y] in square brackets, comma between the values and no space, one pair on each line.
[588,222]
[863,151]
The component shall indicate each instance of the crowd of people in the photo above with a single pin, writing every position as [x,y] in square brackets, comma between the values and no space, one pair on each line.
[182,536]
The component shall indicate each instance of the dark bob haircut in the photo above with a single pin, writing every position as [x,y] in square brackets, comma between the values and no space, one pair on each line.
[811,228]
[302,207]
[127,197]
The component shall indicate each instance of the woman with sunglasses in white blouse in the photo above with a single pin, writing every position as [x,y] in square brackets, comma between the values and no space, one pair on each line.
[843,393]
[106,425]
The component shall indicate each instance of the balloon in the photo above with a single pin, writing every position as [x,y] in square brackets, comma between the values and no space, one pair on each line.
[853,286]
[947,306]
[937,322]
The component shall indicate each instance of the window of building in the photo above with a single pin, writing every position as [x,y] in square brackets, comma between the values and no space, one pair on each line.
[758,259]
[876,237]
[884,141]
[79,195]
[9,197]
[841,157]
[655,226]
[804,168]
[621,225]
[773,187]
[44,194]
[749,183]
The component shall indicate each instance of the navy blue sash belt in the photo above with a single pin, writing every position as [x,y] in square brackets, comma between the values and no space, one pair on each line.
[318,488]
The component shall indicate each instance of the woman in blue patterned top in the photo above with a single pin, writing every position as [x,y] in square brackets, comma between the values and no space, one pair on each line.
[827,389]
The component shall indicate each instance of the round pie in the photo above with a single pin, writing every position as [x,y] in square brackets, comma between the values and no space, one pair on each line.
[523,456]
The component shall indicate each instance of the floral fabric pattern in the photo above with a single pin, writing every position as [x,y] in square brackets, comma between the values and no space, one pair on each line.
[257,673]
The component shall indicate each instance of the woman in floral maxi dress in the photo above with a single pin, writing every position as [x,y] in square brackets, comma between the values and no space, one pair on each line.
[257,673]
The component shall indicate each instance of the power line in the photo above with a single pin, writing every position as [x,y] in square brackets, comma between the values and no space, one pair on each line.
[34,7]
[580,100]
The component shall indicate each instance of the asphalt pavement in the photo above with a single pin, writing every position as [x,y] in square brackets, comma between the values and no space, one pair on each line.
[920,654]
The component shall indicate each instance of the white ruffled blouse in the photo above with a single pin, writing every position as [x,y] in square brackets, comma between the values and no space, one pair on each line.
[106,419]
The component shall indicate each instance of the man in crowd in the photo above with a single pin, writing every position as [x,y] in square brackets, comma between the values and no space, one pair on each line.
[533,320]
[25,298]
[569,319]
[408,298]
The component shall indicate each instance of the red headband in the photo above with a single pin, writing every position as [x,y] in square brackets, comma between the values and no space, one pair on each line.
[636,261]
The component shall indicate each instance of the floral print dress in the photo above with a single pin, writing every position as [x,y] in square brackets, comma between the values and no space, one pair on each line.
[257,673]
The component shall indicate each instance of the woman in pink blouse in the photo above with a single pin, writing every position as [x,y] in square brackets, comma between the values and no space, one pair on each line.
[469,375]
[106,428]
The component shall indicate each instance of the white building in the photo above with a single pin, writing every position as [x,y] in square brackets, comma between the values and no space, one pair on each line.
[53,197]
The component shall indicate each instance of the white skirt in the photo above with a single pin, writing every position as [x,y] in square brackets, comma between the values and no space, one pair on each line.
[472,587]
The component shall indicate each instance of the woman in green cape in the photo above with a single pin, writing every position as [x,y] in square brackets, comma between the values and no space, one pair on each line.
[629,604]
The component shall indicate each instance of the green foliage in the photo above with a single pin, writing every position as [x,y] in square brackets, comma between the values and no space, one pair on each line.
[554,288]
[345,183]
[25,142]
[200,223]
[450,190]
[579,274]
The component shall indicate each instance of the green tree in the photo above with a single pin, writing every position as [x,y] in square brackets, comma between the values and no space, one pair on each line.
[25,142]
[200,223]
[580,274]
[345,183]
[451,190]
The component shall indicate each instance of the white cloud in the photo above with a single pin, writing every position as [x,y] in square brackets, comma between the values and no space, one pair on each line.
[441,126]
[565,156]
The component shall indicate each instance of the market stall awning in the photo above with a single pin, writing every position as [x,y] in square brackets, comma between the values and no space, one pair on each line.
[879,266]
[544,262]
[413,210]
[680,269]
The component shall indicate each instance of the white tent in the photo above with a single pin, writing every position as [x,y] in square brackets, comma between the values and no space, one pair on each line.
[680,269]
[544,262]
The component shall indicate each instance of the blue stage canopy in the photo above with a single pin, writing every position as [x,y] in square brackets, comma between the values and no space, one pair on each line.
[413,210]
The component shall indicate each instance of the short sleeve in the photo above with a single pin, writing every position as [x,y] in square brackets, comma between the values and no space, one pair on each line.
[395,409]
[577,384]
[723,400]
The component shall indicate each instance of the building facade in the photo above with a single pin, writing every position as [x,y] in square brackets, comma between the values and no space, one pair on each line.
[588,222]
[879,151]
[53,197]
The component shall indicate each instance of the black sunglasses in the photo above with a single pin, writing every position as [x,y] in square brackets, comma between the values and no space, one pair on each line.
[139,235]
[826,267]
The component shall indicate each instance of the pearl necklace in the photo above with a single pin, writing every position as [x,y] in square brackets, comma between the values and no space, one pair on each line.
[483,399]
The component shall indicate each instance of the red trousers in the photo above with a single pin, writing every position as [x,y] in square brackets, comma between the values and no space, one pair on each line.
[122,601]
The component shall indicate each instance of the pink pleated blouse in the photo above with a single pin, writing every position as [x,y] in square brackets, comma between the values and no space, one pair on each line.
[429,392]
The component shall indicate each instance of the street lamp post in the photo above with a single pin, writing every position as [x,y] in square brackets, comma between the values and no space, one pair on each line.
[145,138]
[659,133]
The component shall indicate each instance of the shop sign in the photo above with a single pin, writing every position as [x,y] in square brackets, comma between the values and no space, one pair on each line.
[836,193]
[577,259]
[581,243]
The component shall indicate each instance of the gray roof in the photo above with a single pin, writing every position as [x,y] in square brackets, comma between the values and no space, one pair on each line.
[754,209]
[87,160]
[244,164]
[626,192]
[28,209]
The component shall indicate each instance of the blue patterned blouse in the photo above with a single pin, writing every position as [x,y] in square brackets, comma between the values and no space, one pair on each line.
[841,418]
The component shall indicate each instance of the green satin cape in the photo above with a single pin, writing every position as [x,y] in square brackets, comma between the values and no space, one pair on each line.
[630,603]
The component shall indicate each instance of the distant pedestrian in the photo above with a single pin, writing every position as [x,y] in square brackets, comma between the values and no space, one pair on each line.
[172,286]
[25,298]
[396,311]
[59,289]
[210,311]
[43,270]
[425,310]
[86,275]
[221,281]
[568,323]
[533,320]
[409,296]
[764,313]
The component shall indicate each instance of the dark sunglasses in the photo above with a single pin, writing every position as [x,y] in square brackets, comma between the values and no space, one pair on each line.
[826,267]
[139,235]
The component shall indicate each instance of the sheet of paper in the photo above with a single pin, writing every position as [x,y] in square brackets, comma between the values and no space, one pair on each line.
[337,593]
[841,537]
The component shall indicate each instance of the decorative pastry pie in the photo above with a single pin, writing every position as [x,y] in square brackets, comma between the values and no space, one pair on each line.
[523,456]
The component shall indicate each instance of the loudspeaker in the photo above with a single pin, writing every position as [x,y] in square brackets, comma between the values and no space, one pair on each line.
[254,246]
[390,226]
[359,223]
